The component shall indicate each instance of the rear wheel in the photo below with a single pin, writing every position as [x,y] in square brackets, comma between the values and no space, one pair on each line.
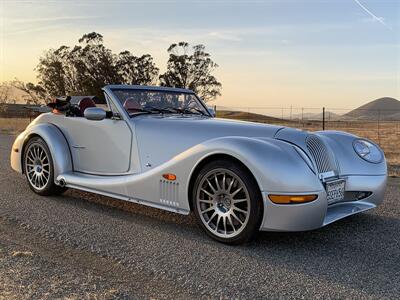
[227,202]
[39,168]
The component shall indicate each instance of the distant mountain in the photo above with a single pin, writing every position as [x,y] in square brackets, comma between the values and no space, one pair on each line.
[385,108]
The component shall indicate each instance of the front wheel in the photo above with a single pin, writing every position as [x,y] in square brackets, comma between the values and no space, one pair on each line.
[39,168]
[227,202]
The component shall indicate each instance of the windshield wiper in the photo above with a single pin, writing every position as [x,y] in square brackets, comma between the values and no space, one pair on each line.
[148,110]
[185,110]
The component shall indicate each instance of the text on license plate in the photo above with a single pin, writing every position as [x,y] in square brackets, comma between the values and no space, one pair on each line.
[335,191]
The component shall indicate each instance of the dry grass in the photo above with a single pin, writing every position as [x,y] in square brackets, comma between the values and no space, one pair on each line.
[13,125]
[386,134]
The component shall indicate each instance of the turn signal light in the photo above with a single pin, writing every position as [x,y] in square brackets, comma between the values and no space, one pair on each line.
[169,176]
[291,199]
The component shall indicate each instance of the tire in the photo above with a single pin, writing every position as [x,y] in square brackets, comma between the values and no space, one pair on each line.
[227,202]
[39,168]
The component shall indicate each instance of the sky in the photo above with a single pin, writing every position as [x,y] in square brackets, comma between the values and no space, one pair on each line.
[314,53]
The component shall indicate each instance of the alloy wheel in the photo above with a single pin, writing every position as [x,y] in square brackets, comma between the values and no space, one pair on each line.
[223,203]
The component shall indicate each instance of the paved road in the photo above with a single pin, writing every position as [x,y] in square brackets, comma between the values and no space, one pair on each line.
[82,245]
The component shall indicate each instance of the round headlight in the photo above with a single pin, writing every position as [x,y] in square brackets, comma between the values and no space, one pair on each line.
[368,151]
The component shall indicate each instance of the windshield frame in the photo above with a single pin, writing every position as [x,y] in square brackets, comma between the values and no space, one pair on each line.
[117,101]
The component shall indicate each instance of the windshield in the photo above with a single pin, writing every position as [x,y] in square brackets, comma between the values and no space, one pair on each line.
[137,102]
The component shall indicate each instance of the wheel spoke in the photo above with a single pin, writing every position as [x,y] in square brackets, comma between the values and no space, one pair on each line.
[237,218]
[208,209]
[208,193]
[235,192]
[239,200]
[230,221]
[210,185]
[206,201]
[230,185]
[212,216]
[46,177]
[216,182]
[31,156]
[216,224]
[240,210]
[224,222]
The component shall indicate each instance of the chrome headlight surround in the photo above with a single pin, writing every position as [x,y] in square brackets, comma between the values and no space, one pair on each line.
[368,151]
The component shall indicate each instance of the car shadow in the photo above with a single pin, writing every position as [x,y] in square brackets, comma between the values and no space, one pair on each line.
[342,253]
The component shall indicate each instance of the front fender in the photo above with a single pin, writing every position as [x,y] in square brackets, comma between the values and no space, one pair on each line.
[275,164]
[55,140]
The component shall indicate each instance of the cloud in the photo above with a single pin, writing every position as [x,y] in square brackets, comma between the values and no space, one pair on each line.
[51,19]
[28,25]
[225,36]
[374,17]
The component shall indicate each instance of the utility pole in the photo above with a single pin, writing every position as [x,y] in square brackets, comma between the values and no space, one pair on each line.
[323,118]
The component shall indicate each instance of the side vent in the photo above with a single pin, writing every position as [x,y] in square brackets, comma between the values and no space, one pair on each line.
[169,192]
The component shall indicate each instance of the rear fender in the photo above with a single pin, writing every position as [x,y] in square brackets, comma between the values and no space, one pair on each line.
[55,140]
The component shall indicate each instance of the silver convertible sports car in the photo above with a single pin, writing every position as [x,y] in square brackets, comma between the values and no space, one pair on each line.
[163,147]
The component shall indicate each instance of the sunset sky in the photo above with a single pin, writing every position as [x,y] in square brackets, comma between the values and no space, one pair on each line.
[340,53]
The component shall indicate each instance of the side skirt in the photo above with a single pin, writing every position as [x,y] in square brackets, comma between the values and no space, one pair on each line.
[128,199]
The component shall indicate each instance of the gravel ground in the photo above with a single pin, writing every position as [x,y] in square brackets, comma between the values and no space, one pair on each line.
[81,245]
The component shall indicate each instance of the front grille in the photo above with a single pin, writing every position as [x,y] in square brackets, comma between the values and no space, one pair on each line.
[323,158]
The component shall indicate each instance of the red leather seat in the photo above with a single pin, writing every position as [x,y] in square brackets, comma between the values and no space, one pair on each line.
[85,103]
[132,105]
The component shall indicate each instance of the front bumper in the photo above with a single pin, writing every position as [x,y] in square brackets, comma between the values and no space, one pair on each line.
[16,153]
[316,214]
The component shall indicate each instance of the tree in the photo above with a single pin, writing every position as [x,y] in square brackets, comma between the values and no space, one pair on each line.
[34,94]
[191,67]
[136,70]
[87,67]
[5,93]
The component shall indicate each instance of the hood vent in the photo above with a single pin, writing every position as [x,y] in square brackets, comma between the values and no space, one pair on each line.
[323,157]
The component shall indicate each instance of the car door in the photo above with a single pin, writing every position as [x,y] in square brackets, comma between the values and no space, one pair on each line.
[98,147]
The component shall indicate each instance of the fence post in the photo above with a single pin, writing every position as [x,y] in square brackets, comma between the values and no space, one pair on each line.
[323,118]
[379,127]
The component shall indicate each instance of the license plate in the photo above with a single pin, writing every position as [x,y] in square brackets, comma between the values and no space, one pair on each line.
[335,191]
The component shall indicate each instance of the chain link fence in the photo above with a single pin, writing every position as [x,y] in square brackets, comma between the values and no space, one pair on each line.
[380,126]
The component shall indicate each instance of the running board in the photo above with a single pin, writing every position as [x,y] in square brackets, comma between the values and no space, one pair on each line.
[118,187]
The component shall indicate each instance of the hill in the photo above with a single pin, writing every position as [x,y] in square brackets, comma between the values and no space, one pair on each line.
[247,116]
[385,108]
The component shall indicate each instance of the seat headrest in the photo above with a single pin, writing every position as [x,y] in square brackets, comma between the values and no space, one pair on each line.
[132,105]
[85,103]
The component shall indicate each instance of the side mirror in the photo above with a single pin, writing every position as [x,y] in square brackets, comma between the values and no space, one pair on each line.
[95,113]
[211,110]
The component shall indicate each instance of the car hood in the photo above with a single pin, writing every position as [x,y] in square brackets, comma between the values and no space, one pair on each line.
[175,134]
